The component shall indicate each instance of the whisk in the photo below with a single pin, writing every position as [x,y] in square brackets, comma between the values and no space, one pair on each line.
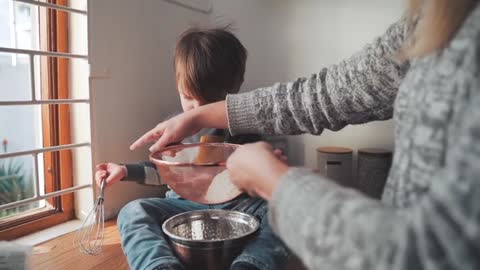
[89,238]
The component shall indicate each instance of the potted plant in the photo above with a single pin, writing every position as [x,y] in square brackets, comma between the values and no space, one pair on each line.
[15,185]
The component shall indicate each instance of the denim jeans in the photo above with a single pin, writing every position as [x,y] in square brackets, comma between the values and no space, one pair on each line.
[144,244]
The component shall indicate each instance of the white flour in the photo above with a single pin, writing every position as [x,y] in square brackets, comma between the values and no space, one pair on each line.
[221,188]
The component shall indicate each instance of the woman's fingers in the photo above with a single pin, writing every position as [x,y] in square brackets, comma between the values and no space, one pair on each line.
[150,136]
[172,130]
[163,141]
[147,138]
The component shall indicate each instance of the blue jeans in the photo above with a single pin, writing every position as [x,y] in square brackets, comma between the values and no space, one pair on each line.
[144,244]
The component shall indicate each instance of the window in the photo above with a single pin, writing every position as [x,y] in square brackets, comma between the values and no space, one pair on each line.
[37,113]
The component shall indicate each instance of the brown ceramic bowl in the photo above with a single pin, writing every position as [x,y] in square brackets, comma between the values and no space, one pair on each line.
[197,171]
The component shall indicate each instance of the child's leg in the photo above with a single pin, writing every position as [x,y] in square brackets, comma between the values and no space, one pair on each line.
[266,251]
[140,225]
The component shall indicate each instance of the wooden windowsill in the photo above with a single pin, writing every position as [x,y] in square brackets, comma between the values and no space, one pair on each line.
[49,234]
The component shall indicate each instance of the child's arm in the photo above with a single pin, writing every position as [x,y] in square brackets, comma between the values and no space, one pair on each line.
[143,173]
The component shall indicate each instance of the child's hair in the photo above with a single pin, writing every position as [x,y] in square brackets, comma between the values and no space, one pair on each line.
[209,63]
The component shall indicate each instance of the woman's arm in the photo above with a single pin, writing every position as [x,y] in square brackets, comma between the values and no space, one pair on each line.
[360,89]
[331,227]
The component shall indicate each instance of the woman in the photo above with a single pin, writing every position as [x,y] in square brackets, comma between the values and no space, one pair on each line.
[429,217]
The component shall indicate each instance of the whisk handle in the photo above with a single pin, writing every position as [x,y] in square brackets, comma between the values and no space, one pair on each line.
[102,189]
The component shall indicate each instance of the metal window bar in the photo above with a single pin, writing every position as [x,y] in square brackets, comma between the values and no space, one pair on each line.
[53,6]
[36,185]
[43,197]
[31,54]
[35,101]
[32,77]
[44,149]
[35,153]
[44,102]
[43,53]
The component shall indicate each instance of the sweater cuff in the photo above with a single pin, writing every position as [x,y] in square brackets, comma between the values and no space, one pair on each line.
[135,172]
[297,188]
[241,113]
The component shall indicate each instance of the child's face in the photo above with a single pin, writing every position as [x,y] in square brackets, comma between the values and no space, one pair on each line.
[188,102]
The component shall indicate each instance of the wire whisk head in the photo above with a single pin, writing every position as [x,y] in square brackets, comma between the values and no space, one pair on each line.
[89,238]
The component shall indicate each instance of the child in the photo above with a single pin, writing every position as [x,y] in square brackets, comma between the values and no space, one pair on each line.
[209,64]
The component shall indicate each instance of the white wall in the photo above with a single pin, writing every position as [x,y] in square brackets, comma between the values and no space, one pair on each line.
[80,113]
[131,50]
[291,38]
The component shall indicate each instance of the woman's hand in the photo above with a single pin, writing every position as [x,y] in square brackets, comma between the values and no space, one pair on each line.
[172,130]
[111,171]
[186,124]
[257,168]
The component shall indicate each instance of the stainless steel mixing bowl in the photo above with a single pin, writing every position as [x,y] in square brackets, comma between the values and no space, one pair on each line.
[209,239]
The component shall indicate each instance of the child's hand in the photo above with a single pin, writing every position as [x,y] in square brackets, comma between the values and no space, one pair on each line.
[113,172]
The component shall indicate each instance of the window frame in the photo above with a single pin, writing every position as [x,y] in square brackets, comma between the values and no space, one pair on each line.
[56,130]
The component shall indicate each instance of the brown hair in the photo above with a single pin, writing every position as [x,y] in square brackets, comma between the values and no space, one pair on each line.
[438,22]
[209,63]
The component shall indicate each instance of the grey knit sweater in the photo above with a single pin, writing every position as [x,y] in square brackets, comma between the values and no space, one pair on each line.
[429,216]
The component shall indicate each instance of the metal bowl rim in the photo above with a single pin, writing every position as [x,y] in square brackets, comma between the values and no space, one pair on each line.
[174,237]
[188,145]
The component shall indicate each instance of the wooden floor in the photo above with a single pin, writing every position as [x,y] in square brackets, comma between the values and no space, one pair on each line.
[60,254]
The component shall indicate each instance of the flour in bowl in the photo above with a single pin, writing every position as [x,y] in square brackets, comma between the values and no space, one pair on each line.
[221,188]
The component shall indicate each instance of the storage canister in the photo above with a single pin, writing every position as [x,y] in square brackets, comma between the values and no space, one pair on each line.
[336,163]
[372,170]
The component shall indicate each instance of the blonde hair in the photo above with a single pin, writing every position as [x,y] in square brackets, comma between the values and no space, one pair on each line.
[438,21]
